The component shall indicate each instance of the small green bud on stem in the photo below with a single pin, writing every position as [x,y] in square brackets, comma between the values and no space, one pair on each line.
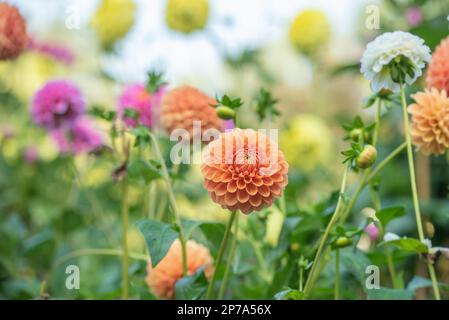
[225,113]
[367,157]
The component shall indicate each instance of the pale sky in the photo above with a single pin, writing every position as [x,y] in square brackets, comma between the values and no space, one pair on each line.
[235,24]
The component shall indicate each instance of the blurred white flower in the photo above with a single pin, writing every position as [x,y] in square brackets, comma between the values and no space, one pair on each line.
[389,236]
[387,50]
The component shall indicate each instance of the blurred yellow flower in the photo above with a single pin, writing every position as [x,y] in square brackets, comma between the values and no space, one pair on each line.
[274,227]
[307,143]
[309,30]
[113,19]
[136,242]
[28,73]
[187,15]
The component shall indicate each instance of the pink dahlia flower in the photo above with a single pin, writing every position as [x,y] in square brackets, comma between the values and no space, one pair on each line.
[80,137]
[53,50]
[56,104]
[135,97]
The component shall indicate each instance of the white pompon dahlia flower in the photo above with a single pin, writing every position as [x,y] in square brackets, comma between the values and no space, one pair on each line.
[393,56]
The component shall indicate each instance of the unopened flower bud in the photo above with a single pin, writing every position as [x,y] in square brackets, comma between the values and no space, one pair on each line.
[342,242]
[373,231]
[225,113]
[295,246]
[430,229]
[355,134]
[367,157]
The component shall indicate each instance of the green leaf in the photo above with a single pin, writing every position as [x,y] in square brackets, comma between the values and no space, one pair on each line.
[390,294]
[355,263]
[388,214]
[193,287]
[131,113]
[289,294]
[419,282]
[102,113]
[158,236]
[213,234]
[155,81]
[432,31]
[189,226]
[229,102]
[146,170]
[408,244]
[266,104]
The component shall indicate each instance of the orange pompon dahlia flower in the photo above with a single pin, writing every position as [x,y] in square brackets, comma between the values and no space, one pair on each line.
[438,70]
[162,279]
[184,105]
[13,33]
[430,121]
[244,170]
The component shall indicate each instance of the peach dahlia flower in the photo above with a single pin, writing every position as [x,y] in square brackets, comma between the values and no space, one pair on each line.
[438,70]
[162,279]
[244,170]
[430,121]
[13,33]
[184,105]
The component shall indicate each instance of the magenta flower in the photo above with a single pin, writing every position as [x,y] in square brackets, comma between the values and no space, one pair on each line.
[373,231]
[53,50]
[414,16]
[135,97]
[228,125]
[56,104]
[80,137]
[30,155]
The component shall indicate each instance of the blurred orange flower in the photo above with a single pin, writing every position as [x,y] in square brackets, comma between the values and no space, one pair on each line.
[438,70]
[13,34]
[430,121]
[183,105]
[244,170]
[162,279]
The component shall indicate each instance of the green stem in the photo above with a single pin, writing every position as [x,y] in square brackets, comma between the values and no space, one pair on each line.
[125,222]
[221,251]
[224,283]
[386,161]
[301,273]
[367,177]
[391,268]
[377,123]
[411,166]
[415,190]
[125,259]
[337,275]
[172,199]
[98,251]
[329,227]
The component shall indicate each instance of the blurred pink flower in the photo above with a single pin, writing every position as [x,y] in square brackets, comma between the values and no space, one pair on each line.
[373,231]
[414,16]
[80,137]
[228,125]
[7,132]
[136,97]
[57,103]
[53,50]
[30,155]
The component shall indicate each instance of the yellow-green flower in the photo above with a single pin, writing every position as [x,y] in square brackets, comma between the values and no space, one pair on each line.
[28,73]
[187,16]
[309,30]
[113,19]
[307,143]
